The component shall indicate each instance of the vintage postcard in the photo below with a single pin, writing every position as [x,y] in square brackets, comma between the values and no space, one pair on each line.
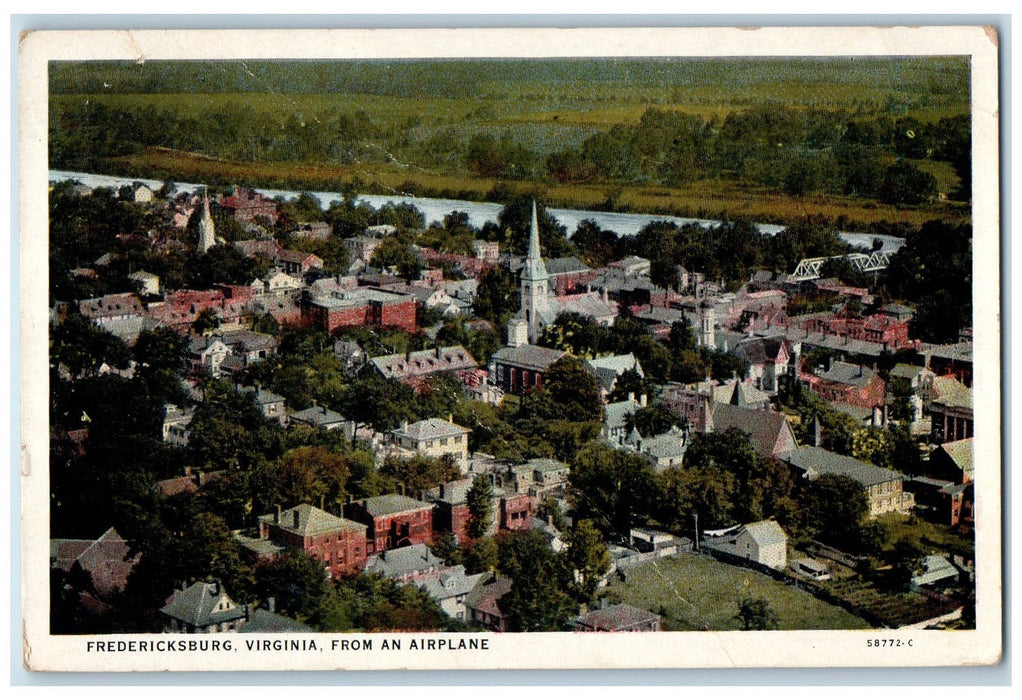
[510,349]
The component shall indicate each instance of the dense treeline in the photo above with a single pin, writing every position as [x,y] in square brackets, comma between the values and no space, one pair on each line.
[795,150]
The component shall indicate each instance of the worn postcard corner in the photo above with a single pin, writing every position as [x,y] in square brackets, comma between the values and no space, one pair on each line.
[510,349]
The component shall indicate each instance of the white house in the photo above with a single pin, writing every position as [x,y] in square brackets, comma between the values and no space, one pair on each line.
[150,282]
[434,437]
[763,542]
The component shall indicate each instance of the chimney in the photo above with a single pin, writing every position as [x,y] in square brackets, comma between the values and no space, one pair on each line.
[438,353]
[816,432]
[271,604]
[631,397]
[295,511]
[276,516]
[442,490]
[642,400]
[322,501]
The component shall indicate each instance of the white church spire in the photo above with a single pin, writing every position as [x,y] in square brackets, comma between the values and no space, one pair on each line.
[207,232]
[535,285]
[534,267]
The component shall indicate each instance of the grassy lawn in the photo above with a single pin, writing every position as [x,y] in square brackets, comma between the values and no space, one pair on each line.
[931,537]
[696,592]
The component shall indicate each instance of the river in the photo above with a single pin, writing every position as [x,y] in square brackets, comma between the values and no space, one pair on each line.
[481,212]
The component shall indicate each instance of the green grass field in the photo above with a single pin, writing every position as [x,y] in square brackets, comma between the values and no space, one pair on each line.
[697,592]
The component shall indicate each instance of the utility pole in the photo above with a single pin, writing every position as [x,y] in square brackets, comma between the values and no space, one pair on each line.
[695,516]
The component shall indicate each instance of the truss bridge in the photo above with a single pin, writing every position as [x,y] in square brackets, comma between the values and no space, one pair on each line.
[809,268]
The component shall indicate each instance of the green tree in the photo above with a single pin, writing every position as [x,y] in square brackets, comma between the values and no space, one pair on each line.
[756,614]
[574,390]
[160,349]
[84,348]
[312,475]
[612,488]
[497,296]
[382,404]
[419,473]
[480,505]
[207,320]
[537,601]
[515,223]
[296,581]
[834,508]
[655,419]
[904,183]
[480,555]
[586,558]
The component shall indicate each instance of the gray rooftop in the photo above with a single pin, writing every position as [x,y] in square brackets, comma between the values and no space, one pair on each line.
[403,561]
[847,373]
[260,621]
[196,605]
[766,532]
[906,371]
[261,396]
[311,521]
[391,504]
[816,461]
[318,415]
[431,429]
[616,412]
[451,583]
[447,359]
[532,357]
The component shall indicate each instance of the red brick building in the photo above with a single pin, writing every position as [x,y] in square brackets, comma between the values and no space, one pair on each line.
[182,307]
[878,328]
[515,512]
[846,383]
[245,205]
[337,542]
[509,510]
[392,521]
[472,267]
[361,307]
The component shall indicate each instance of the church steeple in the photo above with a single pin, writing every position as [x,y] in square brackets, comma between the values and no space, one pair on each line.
[535,283]
[207,232]
[534,267]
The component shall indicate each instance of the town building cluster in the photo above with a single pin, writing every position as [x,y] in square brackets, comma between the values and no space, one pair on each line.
[836,355]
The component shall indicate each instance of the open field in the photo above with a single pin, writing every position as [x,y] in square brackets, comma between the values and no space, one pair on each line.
[408,126]
[696,592]
[932,87]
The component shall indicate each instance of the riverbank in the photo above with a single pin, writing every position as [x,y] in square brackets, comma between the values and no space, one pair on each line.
[479,213]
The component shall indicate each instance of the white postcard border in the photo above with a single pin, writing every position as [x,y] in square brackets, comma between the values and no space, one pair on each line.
[539,650]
